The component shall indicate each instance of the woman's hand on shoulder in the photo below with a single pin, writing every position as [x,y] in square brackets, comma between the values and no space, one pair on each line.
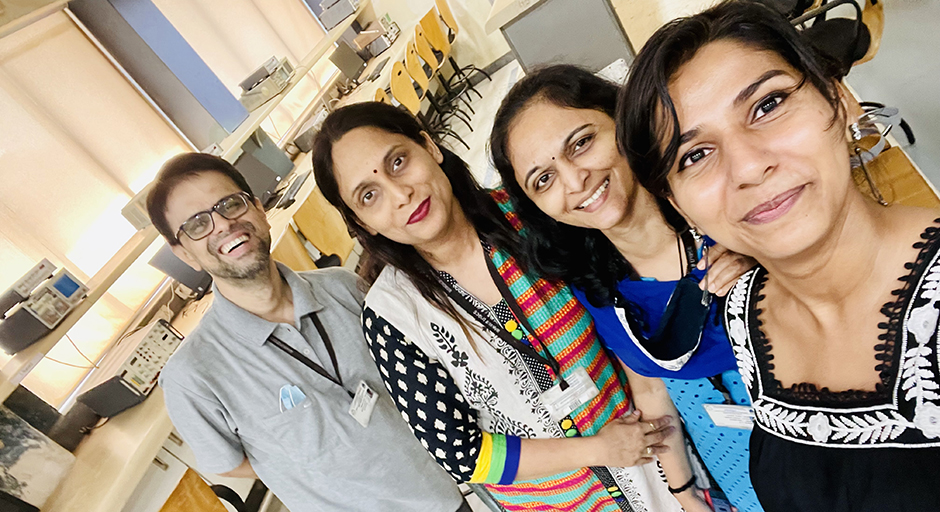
[724,269]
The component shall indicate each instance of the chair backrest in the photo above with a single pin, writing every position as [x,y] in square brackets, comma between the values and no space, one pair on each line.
[323,226]
[403,90]
[434,33]
[425,50]
[414,67]
[444,10]
[382,97]
[873,16]
[192,494]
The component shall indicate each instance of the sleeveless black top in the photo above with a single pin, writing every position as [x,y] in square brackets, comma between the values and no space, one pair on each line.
[851,451]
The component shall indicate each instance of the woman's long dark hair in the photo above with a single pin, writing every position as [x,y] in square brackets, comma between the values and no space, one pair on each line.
[647,124]
[481,210]
[581,257]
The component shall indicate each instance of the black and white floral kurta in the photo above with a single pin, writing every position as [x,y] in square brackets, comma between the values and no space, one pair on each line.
[817,450]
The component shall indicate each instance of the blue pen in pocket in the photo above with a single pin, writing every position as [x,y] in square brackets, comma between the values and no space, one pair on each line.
[290,396]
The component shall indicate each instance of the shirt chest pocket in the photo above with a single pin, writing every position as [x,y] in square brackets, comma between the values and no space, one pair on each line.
[307,434]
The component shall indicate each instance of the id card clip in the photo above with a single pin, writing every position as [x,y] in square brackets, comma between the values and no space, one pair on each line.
[731,416]
[581,390]
[363,403]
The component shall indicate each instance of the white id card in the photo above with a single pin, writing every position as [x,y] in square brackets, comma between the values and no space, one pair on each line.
[731,416]
[581,390]
[363,403]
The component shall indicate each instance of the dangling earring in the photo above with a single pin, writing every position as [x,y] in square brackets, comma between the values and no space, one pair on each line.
[706,297]
[861,156]
[887,116]
[699,237]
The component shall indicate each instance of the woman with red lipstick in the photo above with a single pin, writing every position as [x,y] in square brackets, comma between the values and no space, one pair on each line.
[499,373]
[630,259]
[730,116]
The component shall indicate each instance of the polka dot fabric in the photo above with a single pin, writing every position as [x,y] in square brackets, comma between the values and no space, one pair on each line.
[719,447]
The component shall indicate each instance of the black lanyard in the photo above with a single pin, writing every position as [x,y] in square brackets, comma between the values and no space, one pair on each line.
[691,251]
[338,380]
[494,326]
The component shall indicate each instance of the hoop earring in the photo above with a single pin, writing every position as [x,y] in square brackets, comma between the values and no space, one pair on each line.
[888,116]
[861,156]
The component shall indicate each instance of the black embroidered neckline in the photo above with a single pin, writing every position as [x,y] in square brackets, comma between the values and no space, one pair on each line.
[886,355]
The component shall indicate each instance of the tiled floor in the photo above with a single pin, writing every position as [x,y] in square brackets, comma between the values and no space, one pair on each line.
[905,74]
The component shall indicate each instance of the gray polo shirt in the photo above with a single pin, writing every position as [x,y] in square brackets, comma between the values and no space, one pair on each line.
[222,392]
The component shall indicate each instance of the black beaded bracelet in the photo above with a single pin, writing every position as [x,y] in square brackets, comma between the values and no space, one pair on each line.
[684,488]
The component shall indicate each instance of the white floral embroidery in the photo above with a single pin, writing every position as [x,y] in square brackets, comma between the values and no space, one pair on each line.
[919,380]
[872,428]
[737,329]
[818,427]
[923,322]
[918,374]
[927,419]
[779,419]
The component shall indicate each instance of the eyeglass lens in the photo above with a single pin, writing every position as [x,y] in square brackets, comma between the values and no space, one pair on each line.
[200,225]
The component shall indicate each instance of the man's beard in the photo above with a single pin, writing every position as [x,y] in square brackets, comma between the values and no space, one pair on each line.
[262,261]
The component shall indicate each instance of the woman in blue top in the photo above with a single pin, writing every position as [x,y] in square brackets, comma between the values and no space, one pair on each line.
[629,256]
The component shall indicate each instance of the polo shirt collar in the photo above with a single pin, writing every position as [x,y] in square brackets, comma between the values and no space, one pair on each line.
[254,329]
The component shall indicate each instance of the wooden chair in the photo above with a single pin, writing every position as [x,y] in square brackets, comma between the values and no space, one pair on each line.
[440,42]
[323,226]
[403,89]
[897,179]
[193,494]
[289,250]
[447,16]
[382,97]
[435,64]
[873,16]
[420,75]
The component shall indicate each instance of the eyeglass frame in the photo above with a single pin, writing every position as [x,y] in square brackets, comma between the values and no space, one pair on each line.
[245,196]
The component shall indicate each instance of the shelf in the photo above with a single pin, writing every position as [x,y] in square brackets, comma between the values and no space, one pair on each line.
[231,145]
[25,360]
[16,16]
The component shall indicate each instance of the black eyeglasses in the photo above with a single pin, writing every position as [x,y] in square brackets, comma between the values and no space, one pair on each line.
[201,224]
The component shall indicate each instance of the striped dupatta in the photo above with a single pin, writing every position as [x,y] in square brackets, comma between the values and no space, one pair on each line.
[565,326]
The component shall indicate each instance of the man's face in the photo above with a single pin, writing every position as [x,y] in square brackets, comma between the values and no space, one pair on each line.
[236,249]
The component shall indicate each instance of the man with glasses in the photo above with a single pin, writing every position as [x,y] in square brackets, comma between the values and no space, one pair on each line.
[276,381]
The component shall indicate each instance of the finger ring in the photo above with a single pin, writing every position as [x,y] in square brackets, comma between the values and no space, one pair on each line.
[649,451]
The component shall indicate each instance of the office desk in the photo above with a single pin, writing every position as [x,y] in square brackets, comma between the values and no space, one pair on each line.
[395,52]
[111,461]
[231,145]
[587,33]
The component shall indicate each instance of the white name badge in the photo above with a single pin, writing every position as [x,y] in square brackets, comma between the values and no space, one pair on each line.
[363,403]
[731,416]
[581,390]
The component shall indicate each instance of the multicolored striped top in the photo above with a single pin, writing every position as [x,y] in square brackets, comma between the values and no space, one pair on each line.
[470,397]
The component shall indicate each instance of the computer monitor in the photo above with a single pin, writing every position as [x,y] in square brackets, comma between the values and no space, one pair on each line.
[167,262]
[348,61]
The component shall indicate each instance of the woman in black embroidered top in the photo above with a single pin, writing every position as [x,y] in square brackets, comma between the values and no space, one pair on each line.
[732,117]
